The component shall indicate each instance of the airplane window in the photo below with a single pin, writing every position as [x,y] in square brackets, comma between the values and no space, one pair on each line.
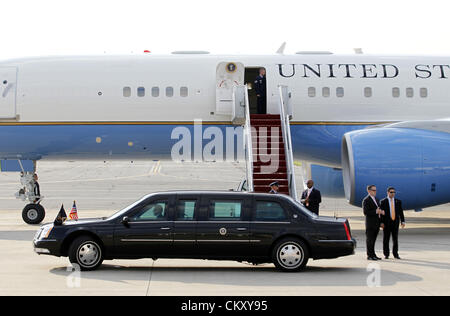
[155,92]
[396,92]
[409,92]
[169,92]
[368,92]
[311,92]
[339,92]
[325,92]
[184,91]
[141,92]
[423,92]
[127,92]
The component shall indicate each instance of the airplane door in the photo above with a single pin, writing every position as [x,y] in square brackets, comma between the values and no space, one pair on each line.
[228,75]
[8,76]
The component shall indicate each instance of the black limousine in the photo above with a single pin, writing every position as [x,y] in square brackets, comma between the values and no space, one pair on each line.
[239,226]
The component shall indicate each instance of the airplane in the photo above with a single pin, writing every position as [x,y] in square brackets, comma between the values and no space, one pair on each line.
[356,119]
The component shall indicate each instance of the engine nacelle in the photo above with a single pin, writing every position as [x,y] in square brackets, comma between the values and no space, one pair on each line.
[414,161]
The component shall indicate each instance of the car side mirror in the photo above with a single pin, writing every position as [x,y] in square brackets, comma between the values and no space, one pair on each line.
[125,221]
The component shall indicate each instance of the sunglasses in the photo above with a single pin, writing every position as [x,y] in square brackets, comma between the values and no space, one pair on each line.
[392,192]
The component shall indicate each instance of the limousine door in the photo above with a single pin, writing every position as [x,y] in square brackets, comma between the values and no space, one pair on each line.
[223,227]
[147,232]
[269,219]
[184,242]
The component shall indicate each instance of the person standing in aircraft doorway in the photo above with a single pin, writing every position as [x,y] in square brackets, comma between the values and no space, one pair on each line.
[260,89]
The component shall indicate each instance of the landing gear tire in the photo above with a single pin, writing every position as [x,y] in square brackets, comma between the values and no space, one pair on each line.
[290,255]
[33,214]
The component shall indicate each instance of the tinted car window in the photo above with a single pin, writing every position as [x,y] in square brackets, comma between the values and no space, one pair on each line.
[302,209]
[153,211]
[226,210]
[185,210]
[269,211]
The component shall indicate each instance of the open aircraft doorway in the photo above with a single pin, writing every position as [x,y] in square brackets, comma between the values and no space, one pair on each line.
[251,75]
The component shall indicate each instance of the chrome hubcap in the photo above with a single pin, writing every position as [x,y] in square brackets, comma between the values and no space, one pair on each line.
[32,214]
[88,254]
[290,255]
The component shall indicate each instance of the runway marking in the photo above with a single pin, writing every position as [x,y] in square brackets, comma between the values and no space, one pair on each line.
[150,278]
[156,169]
[86,180]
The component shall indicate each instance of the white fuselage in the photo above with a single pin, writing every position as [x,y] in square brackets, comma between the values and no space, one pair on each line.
[325,88]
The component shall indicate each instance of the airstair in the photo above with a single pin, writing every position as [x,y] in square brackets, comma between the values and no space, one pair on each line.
[268,144]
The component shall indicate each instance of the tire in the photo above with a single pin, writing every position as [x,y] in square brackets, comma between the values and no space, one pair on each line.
[290,255]
[33,214]
[86,253]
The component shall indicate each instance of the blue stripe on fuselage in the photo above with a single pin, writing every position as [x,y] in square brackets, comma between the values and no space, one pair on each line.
[93,141]
[319,143]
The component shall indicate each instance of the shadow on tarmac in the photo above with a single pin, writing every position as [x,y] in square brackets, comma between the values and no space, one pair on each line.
[265,275]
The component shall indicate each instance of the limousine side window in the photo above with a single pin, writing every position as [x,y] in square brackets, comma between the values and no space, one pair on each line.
[269,211]
[185,210]
[225,210]
[154,211]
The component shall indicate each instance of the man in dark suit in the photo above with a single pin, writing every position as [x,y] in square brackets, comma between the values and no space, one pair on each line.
[311,197]
[260,89]
[393,210]
[37,190]
[373,213]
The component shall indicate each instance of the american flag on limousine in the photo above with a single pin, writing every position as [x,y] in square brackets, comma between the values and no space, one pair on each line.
[73,213]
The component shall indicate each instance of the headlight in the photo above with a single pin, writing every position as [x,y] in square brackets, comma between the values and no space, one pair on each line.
[46,231]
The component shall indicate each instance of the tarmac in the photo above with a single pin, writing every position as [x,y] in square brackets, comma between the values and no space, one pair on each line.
[102,188]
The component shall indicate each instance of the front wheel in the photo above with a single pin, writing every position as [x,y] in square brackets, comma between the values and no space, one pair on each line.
[290,255]
[86,253]
[33,214]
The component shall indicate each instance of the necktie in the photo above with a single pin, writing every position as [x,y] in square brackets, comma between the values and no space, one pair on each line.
[393,210]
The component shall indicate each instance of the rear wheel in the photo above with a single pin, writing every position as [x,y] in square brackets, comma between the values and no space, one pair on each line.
[290,255]
[33,214]
[86,252]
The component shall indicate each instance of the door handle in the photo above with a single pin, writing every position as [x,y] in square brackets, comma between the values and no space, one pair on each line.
[165,228]
[241,228]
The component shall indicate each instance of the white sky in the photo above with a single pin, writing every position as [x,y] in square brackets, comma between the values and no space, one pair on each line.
[66,27]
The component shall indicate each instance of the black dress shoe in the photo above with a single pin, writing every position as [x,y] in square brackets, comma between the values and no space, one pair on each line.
[397,257]
[377,258]
[372,259]
[386,257]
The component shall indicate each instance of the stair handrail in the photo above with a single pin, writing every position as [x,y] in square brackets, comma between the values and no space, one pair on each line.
[286,133]
[248,143]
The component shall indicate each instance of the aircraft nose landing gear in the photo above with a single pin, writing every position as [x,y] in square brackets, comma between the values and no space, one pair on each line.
[33,213]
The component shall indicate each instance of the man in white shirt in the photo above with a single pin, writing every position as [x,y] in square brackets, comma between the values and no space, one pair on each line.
[373,214]
[391,220]
[311,197]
